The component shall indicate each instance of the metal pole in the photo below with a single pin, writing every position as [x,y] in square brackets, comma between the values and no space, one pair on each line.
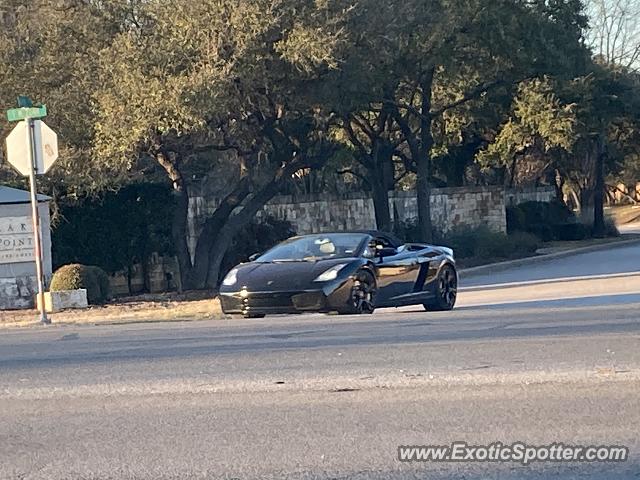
[36,219]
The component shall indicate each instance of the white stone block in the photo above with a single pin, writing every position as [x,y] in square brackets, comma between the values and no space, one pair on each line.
[64,300]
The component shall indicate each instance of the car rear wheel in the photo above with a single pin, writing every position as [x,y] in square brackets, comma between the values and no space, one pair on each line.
[362,297]
[446,291]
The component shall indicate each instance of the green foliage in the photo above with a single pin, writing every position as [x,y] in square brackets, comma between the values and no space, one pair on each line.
[476,243]
[539,120]
[570,231]
[551,221]
[116,231]
[191,69]
[520,217]
[484,243]
[49,50]
[547,220]
[256,237]
[76,276]
[68,277]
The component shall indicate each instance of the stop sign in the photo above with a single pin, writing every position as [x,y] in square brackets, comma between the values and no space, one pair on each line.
[46,147]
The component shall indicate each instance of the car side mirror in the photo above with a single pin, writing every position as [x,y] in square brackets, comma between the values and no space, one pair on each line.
[254,257]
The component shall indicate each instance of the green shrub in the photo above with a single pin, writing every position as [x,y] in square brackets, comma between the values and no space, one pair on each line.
[102,280]
[256,237]
[570,232]
[132,224]
[550,221]
[516,219]
[529,216]
[76,276]
[523,243]
[541,230]
[552,213]
[484,243]
[475,242]
[68,277]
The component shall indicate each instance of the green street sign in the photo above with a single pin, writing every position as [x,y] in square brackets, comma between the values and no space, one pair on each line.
[17,114]
[24,102]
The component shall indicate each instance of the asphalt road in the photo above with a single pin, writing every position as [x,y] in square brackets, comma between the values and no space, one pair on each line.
[539,354]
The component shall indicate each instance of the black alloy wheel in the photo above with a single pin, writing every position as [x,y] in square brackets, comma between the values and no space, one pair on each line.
[363,292]
[446,291]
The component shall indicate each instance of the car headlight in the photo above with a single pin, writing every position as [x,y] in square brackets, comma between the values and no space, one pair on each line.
[231,278]
[330,274]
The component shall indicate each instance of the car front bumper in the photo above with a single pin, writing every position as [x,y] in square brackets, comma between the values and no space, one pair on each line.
[286,302]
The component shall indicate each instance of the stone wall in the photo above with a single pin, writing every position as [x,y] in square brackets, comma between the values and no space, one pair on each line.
[18,281]
[450,208]
[518,196]
[18,292]
[161,276]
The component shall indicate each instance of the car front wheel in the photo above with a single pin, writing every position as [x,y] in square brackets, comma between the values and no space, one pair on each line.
[446,291]
[362,297]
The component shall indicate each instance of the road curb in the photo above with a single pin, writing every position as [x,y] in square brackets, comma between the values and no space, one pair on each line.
[500,266]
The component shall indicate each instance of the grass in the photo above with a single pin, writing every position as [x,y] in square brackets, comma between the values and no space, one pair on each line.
[144,308]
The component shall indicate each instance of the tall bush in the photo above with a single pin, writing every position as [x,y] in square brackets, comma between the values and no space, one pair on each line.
[76,276]
[256,237]
[116,231]
[481,242]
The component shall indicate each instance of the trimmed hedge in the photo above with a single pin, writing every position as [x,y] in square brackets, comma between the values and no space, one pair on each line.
[476,243]
[484,243]
[532,214]
[550,221]
[76,276]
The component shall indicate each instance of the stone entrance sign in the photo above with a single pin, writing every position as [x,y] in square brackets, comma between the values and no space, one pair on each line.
[16,240]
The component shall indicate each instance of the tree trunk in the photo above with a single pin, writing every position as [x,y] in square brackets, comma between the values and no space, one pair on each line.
[380,195]
[598,194]
[423,167]
[181,214]
[216,256]
[423,188]
[211,230]
[242,218]
[129,278]
[576,199]
[558,183]
[146,280]
[514,171]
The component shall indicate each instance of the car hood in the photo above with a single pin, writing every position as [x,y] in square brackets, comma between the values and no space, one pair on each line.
[284,276]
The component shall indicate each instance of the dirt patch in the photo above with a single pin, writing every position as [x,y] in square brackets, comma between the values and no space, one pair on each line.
[143,308]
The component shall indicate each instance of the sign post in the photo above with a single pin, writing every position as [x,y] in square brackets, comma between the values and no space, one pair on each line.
[37,234]
[32,148]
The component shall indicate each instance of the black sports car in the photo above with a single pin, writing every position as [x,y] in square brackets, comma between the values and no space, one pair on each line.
[348,273]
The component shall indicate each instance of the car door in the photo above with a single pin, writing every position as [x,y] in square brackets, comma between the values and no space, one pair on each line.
[397,276]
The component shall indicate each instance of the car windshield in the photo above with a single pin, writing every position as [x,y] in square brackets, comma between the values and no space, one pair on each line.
[316,247]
